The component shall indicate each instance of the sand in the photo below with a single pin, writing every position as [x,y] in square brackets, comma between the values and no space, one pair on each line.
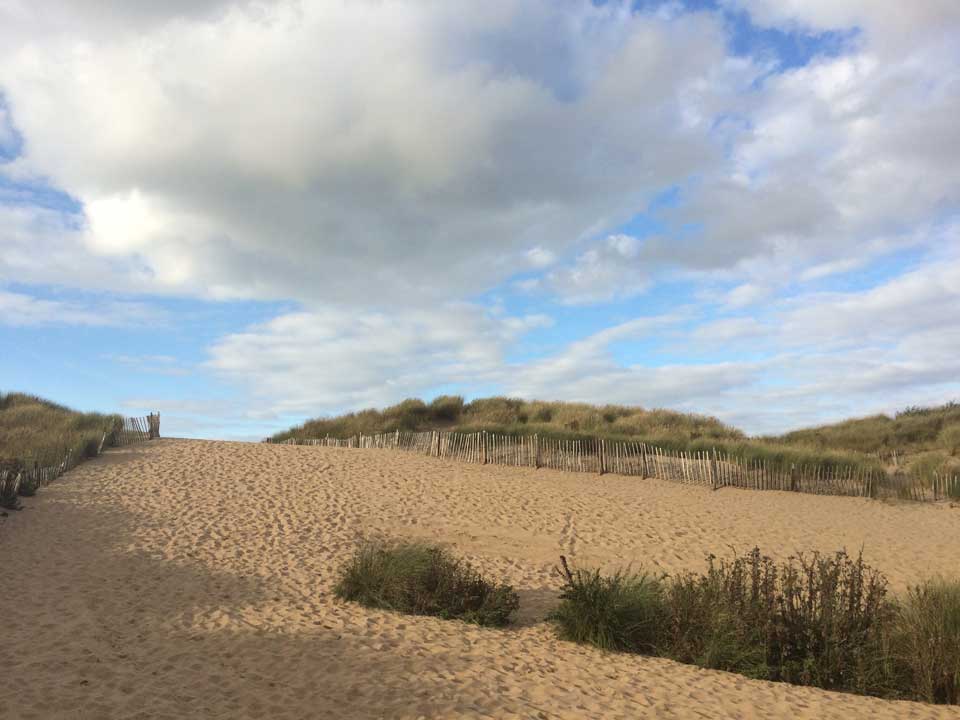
[191,579]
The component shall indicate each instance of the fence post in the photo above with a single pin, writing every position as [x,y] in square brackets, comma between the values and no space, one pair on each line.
[483,448]
[603,456]
[536,450]
[396,441]
[713,468]
[643,459]
[793,477]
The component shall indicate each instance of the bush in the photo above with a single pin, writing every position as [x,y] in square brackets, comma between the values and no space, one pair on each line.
[816,620]
[928,641]
[446,408]
[422,579]
[623,611]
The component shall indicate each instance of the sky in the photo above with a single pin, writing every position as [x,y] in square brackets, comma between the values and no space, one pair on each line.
[243,214]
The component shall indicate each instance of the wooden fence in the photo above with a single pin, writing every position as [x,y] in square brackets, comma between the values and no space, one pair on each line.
[709,468]
[14,480]
[137,429]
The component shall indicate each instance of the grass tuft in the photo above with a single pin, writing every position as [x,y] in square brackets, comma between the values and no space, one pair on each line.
[623,611]
[421,579]
[928,641]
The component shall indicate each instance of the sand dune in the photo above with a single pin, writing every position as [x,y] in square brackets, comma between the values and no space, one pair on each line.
[191,579]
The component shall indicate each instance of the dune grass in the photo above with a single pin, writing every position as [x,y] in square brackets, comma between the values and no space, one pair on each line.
[509,415]
[928,640]
[624,611]
[824,621]
[422,579]
[34,430]
[579,421]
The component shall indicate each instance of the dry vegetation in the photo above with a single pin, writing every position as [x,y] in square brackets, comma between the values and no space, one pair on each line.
[922,441]
[821,620]
[36,430]
[825,621]
[927,440]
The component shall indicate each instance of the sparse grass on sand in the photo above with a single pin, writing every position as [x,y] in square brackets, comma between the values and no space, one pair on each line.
[422,579]
[825,621]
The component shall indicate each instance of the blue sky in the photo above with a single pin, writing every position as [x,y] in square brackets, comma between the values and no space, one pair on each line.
[243,215]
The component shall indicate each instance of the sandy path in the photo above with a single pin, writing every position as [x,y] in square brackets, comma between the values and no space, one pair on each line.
[191,579]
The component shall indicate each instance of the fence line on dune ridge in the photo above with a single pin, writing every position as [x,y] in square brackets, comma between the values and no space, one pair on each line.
[716,469]
[15,478]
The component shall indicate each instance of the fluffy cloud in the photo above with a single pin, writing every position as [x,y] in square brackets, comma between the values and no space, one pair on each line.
[813,358]
[841,159]
[338,359]
[287,149]
[605,272]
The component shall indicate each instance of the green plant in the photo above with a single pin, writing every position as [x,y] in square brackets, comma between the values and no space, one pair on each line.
[422,579]
[927,641]
[624,611]
[811,620]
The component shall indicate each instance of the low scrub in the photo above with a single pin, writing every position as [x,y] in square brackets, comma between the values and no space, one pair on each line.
[820,620]
[422,579]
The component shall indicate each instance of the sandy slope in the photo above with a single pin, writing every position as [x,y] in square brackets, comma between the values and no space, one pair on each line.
[191,579]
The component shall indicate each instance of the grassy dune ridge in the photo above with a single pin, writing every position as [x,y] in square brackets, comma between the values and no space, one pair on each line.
[928,440]
[36,430]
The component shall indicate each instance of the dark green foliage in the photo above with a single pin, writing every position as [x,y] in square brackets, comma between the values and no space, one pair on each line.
[421,579]
[624,611]
[28,487]
[810,620]
[927,641]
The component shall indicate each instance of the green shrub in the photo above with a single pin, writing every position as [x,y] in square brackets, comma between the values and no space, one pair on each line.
[817,620]
[624,611]
[927,641]
[421,579]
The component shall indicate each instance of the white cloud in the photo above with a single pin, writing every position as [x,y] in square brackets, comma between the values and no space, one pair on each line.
[22,310]
[885,22]
[540,257]
[336,359]
[747,294]
[813,358]
[605,272]
[285,150]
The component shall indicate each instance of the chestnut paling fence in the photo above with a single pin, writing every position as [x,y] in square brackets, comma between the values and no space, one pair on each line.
[712,468]
[130,430]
